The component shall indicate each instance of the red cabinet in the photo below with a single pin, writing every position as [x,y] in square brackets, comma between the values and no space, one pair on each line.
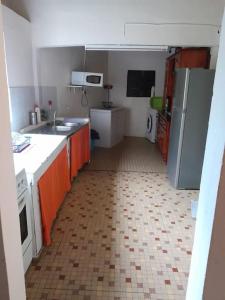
[53,186]
[163,132]
[79,150]
[169,82]
[56,181]
[192,58]
[85,134]
[75,154]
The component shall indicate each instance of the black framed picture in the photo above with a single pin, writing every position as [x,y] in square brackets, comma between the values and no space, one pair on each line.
[140,83]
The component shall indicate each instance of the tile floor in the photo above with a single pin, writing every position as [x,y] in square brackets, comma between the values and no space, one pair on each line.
[119,235]
[132,154]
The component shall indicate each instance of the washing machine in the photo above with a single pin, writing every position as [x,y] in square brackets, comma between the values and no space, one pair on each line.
[152,120]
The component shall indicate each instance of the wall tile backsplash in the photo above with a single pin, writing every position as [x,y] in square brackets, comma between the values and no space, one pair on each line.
[47,93]
[22,102]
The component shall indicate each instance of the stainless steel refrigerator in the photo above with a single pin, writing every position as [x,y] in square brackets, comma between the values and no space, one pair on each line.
[189,126]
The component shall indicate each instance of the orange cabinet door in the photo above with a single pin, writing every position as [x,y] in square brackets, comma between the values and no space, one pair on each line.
[165,143]
[53,186]
[80,150]
[75,154]
[163,132]
[193,58]
[86,143]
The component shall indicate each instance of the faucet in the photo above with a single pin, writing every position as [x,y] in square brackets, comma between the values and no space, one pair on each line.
[54,118]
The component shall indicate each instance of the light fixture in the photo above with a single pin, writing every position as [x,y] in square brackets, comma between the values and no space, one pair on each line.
[124,47]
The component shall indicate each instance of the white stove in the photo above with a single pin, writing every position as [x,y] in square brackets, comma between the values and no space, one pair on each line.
[36,159]
[23,199]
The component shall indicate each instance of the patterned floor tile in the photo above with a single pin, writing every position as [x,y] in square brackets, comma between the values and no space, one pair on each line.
[119,235]
[123,157]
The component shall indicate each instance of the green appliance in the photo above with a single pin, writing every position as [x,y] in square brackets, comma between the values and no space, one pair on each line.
[156,103]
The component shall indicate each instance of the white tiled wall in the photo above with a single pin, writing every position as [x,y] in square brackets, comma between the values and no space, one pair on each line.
[22,102]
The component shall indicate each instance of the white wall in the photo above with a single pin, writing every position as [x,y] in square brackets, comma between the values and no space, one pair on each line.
[136,108]
[4,288]
[55,66]
[9,215]
[18,44]
[77,22]
[209,183]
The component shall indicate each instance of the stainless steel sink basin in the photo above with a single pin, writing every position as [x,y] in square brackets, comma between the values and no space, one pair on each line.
[71,124]
[63,128]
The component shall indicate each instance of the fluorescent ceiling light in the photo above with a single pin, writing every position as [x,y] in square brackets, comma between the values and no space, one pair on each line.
[122,47]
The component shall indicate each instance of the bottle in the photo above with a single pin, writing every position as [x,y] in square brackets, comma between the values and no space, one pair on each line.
[33,118]
[38,112]
[49,110]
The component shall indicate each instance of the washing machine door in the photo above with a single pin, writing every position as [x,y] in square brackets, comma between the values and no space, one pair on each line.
[149,123]
[152,125]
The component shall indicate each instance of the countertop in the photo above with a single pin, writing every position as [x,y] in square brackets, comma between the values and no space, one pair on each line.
[106,110]
[46,144]
[43,148]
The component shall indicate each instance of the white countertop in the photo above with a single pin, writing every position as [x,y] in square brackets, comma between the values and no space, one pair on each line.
[105,110]
[43,148]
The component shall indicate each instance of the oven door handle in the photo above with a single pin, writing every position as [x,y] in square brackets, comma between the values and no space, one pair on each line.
[21,201]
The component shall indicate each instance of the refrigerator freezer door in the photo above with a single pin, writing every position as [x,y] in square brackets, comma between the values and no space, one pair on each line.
[196,127]
[177,125]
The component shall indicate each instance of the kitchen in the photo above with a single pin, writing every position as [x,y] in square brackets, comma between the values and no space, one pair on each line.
[51,86]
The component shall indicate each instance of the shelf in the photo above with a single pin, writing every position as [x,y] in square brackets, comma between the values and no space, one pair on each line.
[74,86]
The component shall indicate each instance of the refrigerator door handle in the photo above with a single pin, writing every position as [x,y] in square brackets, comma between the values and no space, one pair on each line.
[184,108]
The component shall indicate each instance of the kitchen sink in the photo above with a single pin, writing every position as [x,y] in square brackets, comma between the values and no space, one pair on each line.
[62,128]
[66,126]
[71,124]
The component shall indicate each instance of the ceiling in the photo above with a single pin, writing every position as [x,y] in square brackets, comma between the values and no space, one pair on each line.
[81,22]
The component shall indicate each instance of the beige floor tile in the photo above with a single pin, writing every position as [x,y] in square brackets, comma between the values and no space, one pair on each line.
[118,235]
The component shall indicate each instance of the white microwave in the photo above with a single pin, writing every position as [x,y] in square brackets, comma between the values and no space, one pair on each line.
[87,79]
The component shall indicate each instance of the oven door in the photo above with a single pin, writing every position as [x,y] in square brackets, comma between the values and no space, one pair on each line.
[25,220]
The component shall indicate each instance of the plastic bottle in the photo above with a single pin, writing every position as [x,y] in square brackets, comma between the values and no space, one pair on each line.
[50,110]
[38,112]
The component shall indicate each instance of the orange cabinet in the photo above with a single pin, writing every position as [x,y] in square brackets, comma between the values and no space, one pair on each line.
[169,82]
[192,58]
[79,150]
[75,154]
[53,186]
[85,144]
[163,132]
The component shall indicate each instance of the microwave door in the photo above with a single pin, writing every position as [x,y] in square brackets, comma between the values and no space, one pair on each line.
[93,79]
